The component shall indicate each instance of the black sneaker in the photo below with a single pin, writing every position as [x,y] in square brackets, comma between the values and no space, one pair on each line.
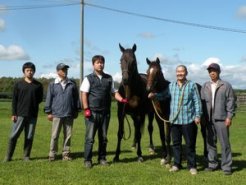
[88,164]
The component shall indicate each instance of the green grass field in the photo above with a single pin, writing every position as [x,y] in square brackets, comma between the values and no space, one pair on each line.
[128,171]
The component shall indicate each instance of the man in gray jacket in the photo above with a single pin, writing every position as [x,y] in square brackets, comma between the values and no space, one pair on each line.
[218,111]
[62,106]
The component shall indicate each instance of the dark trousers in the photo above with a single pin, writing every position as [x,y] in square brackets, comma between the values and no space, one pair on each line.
[97,122]
[189,132]
[28,125]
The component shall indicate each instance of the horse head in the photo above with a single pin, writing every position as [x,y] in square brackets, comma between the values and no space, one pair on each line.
[128,64]
[154,73]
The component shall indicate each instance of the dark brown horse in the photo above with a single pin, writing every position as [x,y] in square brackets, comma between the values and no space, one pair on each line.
[156,83]
[132,87]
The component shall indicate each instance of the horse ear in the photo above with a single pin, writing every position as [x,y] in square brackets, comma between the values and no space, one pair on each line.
[121,48]
[148,61]
[134,47]
[157,60]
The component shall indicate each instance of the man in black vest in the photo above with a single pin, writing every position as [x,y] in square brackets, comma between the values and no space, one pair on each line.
[96,91]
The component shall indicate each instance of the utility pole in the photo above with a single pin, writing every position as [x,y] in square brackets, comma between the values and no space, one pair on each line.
[82,43]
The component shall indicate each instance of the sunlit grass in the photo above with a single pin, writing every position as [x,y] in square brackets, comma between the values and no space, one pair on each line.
[127,171]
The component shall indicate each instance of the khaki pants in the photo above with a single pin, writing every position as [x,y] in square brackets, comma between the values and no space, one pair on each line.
[57,124]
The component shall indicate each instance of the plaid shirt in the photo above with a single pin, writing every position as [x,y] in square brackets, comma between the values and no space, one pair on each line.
[185,102]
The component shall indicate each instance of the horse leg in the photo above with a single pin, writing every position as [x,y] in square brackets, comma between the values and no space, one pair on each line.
[119,136]
[150,130]
[164,154]
[138,124]
[134,142]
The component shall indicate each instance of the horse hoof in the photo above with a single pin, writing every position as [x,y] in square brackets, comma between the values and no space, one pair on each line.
[140,159]
[151,151]
[116,159]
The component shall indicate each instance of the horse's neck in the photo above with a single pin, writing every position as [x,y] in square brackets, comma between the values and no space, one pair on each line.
[135,86]
[162,83]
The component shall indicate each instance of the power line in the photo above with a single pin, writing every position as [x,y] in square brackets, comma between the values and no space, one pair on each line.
[168,20]
[25,7]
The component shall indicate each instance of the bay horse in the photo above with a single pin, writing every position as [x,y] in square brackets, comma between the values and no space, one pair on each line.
[156,83]
[132,87]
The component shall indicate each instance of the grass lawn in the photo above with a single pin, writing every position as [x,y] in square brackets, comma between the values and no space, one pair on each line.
[128,171]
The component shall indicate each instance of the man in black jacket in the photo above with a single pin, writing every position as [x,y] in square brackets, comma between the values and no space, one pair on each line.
[27,95]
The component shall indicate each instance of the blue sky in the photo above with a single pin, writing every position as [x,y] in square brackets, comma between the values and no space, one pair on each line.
[48,36]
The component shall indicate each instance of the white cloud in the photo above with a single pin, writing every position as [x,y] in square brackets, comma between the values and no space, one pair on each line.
[2,24]
[234,74]
[243,59]
[12,52]
[241,13]
[146,35]
[3,9]
[211,60]
[48,75]
[117,77]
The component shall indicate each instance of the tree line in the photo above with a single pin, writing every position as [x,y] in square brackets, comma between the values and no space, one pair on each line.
[7,85]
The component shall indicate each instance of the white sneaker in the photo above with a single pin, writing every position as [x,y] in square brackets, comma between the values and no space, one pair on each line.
[193,171]
[163,162]
[174,169]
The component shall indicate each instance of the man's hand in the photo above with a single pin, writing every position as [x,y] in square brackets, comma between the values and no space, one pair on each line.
[197,120]
[50,117]
[228,122]
[151,95]
[14,118]
[87,113]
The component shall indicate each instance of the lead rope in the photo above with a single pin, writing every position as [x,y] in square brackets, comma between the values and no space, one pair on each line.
[181,97]
[125,116]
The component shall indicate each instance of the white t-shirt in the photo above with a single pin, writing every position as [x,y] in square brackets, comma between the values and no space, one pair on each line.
[62,82]
[213,89]
[85,86]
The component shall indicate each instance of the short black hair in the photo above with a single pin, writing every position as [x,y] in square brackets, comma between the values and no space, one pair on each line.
[28,65]
[98,57]
[184,67]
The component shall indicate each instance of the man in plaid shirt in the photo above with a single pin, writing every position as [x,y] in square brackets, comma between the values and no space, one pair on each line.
[185,112]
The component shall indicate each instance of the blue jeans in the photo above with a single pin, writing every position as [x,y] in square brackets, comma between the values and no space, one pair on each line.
[97,122]
[28,124]
[189,132]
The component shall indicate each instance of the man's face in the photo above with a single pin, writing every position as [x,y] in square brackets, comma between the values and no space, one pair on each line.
[28,73]
[181,73]
[214,74]
[98,65]
[62,73]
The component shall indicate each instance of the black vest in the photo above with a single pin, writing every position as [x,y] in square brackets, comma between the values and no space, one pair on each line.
[100,92]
